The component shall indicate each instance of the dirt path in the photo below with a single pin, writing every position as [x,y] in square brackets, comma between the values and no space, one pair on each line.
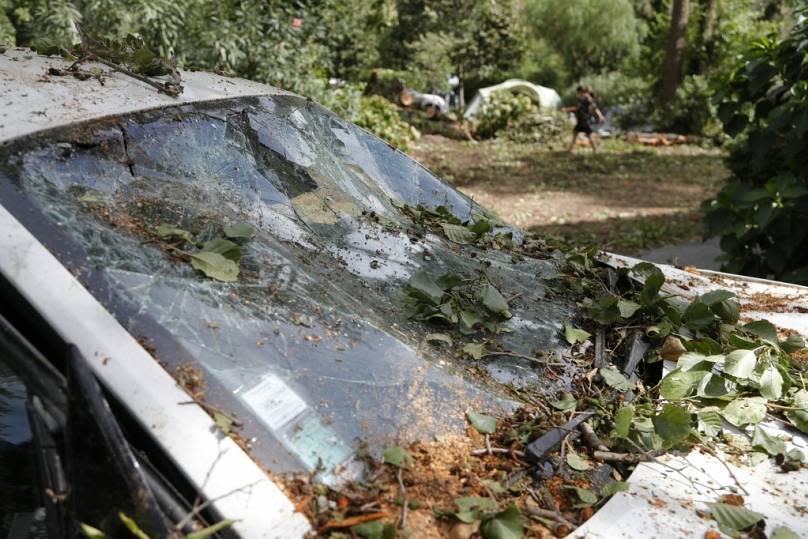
[626,197]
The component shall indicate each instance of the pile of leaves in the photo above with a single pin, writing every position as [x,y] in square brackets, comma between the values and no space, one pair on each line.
[519,118]
[546,468]
[382,118]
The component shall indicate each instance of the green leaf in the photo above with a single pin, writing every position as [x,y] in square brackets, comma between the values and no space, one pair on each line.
[223,421]
[763,329]
[398,456]
[610,489]
[210,531]
[622,421]
[627,308]
[709,420]
[745,411]
[458,233]
[715,386]
[508,524]
[715,296]
[731,518]
[422,286]
[575,335]
[586,496]
[215,266]
[470,508]
[652,286]
[92,533]
[239,231]
[615,378]
[679,384]
[740,364]
[698,316]
[439,338]
[494,301]
[793,343]
[469,319]
[799,418]
[691,360]
[782,532]
[771,383]
[375,529]
[484,424]
[447,281]
[481,226]
[170,231]
[474,350]
[576,462]
[224,247]
[132,526]
[768,443]
[566,403]
[728,311]
[673,423]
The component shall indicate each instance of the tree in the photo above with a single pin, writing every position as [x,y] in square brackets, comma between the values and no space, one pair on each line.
[762,213]
[675,52]
[590,35]
[478,40]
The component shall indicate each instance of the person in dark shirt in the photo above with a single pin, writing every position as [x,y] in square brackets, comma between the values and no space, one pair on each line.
[584,111]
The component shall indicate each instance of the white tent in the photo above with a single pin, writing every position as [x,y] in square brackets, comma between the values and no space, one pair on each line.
[545,97]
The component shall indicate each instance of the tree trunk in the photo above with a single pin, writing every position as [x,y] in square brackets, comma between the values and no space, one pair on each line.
[461,91]
[709,16]
[674,57]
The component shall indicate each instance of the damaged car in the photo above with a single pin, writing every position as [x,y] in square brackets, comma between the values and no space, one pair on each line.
[231,312]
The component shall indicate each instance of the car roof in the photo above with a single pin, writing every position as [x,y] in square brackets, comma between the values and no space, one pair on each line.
[33,99]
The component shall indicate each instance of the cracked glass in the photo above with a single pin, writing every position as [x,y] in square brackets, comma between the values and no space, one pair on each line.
[312,349]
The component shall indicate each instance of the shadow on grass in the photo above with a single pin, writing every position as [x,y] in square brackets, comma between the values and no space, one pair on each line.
[629,236]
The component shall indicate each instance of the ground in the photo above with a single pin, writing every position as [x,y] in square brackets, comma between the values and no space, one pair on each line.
[627,198]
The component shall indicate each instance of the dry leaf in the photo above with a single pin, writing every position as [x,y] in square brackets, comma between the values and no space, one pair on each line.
[672,348]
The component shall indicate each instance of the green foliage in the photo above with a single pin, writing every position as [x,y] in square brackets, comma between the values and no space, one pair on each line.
[477,40]
[762,213]
[517,117]
[382,118]
[570,29]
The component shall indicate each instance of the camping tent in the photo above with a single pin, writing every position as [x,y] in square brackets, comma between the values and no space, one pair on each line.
[546,97]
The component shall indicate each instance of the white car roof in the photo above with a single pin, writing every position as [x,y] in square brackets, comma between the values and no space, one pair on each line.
[32,100]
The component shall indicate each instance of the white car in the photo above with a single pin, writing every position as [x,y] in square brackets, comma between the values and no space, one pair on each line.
[109,192]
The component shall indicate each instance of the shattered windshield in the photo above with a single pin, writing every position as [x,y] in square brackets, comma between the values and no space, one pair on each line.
[293,271]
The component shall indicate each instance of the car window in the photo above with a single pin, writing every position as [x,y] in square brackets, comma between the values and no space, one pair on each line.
[312,346]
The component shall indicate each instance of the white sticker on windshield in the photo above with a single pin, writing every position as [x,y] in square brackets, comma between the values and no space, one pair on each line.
[274,402]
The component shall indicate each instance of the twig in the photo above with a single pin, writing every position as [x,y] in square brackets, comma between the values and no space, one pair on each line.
[523,356]
[630,458]
[172,90]
[547,513]
[729,470]
[404,502]
[199,507]
[590,438]
[352,521]
[500,450]
[488,443]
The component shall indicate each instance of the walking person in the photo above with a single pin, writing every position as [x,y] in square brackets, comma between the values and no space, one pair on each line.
[584,111]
